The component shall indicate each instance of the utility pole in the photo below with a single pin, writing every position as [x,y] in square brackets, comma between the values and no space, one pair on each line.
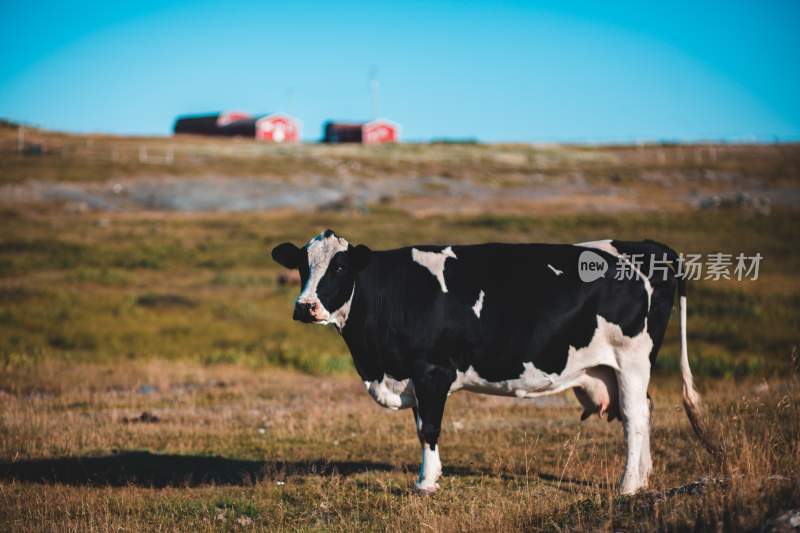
[374,86]
[289,100]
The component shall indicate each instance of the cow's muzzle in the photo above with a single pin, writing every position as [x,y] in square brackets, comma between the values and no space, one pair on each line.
[305,312]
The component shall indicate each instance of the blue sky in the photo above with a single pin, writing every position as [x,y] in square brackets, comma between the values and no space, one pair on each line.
[516,71]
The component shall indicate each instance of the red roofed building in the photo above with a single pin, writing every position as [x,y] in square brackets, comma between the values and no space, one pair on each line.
[274,127]
[278,128]
[380,131]
[377,131]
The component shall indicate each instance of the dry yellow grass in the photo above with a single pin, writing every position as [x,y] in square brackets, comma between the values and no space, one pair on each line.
[240,449]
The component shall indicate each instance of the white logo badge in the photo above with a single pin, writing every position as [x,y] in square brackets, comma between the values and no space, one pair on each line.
[591,266]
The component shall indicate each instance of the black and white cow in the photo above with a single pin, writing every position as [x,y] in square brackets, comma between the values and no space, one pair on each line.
[509,319]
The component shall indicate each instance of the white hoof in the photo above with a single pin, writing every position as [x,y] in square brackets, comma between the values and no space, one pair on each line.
[629,489]
[425,488]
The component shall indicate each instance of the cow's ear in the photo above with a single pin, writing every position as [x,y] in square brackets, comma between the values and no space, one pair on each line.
[359,256]
[287,254]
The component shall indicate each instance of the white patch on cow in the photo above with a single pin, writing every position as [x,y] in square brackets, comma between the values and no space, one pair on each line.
[606,246]
[434,262]
[339,317]
[608,347]
[478,305]
[556,271]
[429,470]
[391,393]
[321,250]
[531,379]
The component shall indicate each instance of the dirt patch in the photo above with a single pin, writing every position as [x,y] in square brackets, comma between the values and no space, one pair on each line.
[234,194]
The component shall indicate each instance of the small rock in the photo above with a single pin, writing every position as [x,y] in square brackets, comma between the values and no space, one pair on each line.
[288,278]
[146,418]
[788,521]
[164,300]
[76,207]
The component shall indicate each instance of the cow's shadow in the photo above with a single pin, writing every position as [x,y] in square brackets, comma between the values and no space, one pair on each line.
[164,470]
[142,468]
[146,469]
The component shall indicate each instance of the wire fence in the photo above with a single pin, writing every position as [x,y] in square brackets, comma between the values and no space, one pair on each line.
[155,151]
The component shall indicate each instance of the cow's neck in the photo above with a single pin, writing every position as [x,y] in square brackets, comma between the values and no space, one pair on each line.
[353,328]
[354,333]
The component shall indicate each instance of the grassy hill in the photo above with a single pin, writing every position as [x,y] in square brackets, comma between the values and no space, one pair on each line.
[59,156]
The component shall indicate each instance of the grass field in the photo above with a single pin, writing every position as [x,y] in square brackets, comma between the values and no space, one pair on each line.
[152,378]
[242,449]
[98,287]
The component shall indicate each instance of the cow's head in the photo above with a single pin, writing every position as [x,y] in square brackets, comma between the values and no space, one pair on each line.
[328,266]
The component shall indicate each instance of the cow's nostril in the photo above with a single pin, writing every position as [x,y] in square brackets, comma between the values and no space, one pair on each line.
[302,312]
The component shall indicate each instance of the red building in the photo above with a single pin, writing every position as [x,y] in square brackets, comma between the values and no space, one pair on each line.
[278,128]
[274,127]
[380,131]
[377,131]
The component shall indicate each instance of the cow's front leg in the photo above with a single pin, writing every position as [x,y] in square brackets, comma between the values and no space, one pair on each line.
[431,386]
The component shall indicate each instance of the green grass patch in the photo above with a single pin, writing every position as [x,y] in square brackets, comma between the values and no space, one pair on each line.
[205,288]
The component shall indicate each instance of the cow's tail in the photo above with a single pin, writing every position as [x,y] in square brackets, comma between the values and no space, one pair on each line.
[691,399]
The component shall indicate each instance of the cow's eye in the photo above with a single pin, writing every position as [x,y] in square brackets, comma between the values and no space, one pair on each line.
[340,269]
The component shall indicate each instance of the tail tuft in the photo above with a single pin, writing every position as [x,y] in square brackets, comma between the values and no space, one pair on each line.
[691,399]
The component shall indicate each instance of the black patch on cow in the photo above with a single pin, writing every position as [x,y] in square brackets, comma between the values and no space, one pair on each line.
[663,285]
[303,269]
[336,285]
[359,256]
[431,385]
[288,255]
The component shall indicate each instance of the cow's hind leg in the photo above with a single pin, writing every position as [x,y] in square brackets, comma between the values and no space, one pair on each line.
[633,379]
[645,459]
[431,385]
